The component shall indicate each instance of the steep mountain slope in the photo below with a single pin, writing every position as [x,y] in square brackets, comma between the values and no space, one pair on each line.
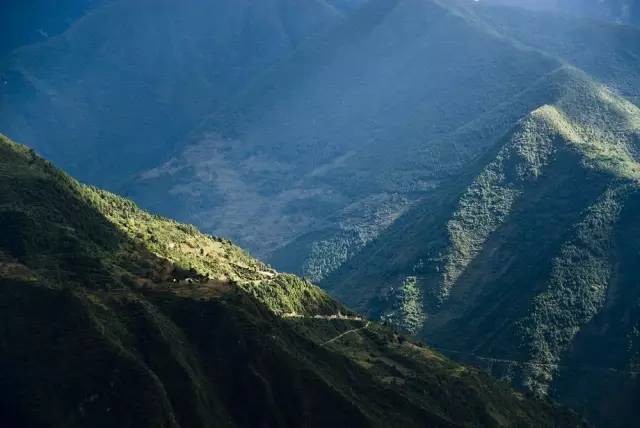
[112,316]
[527,266]
[299,129]
[121,88]
[25,22]
[332,145]
[618,11]
[608,52]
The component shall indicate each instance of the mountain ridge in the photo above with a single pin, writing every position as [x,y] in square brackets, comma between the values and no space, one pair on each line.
[523,248]
[107,306]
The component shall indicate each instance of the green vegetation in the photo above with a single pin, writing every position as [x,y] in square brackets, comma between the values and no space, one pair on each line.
[523,264]
[114,316]
[328,255]
[576,291]
[602,126]
[416,157]
[107,70]
[298,117]
[407,312]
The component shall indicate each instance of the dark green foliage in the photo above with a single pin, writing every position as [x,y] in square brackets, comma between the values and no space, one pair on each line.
[520,171]
[301,129]
[521,263]
[115,317]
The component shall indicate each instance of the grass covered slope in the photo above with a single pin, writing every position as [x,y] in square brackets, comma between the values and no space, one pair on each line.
[525,265]
[113,316]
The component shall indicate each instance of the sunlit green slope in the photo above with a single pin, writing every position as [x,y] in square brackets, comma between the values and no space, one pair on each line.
[114,317]
[527,265]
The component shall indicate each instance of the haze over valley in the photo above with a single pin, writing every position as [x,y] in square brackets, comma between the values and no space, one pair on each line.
[451,185]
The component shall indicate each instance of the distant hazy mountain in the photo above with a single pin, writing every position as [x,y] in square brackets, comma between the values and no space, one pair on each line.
[619,11]
[114,317]
[609,52]
[122,87]
[338,140]
[464,170]
[606,51]
[301,129]
[24,22]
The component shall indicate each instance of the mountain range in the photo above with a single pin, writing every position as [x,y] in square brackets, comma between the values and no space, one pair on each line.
[527,265]
[116,317]
[464,171]
[619,11]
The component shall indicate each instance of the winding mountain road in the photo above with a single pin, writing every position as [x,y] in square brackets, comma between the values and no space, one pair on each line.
[345,333]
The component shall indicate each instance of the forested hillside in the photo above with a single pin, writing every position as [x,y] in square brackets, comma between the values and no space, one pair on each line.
[116,317]
[300,129]
[333,144]
[526,265]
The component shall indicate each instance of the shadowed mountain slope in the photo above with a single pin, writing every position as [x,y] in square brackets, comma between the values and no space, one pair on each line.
[337,141]
[299,129]
[113,316]
[618,11]
[525,266]
[608,52]
[27,22]
[121,88]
